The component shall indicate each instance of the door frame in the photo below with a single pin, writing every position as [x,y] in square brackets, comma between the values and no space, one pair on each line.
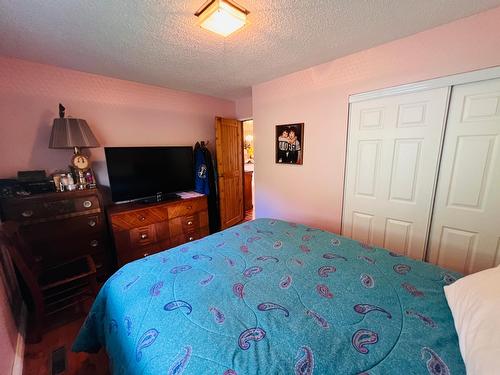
[243,161]
[445,81]
[241,148]
[450,80]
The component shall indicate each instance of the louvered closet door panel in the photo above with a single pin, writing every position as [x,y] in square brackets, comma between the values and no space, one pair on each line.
[465,234]
[392,159]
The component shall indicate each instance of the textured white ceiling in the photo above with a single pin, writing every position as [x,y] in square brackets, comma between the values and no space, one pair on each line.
[158,42]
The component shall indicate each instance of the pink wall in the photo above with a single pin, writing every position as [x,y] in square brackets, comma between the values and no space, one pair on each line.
[318,96]
[244,108]
[120,113]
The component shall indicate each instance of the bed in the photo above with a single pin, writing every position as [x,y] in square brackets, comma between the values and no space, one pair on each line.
[273,297]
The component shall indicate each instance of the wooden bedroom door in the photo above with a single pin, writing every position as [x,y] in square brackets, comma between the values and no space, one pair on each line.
[229,153]
[392,160]
[465,233]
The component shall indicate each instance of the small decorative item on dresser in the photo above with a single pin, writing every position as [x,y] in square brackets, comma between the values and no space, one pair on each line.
[56,178]
[71,182]
[290,143]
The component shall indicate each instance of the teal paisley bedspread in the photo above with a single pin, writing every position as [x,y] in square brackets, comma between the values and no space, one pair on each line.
[272,297]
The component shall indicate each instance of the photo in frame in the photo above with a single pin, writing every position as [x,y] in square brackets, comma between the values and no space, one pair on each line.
[289,143]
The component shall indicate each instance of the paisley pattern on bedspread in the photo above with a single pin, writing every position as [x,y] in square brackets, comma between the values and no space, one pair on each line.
[272,297]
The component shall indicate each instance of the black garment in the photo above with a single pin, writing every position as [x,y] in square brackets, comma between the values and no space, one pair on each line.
[212,197]
[283,153]
[294,152]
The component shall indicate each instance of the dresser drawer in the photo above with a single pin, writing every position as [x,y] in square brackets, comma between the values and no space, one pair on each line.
[186,208]
[24,210]
[102,263]
[90,202]
[68,230]
[137,218]
[57,250]
[190,223]
[21,211]
[143,235]
[189,237]
[139,252]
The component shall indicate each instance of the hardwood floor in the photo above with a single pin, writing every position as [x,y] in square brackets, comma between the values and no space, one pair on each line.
[38,357]
[249,215]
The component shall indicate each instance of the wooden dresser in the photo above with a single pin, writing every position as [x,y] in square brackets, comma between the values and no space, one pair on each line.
[141,229]
[63,226]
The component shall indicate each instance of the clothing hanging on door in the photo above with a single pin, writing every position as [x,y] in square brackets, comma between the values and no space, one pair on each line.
[206,182]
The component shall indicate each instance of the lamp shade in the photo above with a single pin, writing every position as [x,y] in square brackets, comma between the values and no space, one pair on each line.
[70,133]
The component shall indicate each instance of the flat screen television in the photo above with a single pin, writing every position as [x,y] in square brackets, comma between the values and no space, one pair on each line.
[143,172]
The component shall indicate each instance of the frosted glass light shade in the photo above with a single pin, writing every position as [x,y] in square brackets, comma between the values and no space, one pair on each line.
[222,18]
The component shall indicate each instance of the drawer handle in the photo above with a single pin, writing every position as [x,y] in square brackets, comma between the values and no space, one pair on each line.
[191,238]
[27,213]
[92,223]
[190,222]
[87,204]
[144,236]
[94,243]
[142,218]
[145,254]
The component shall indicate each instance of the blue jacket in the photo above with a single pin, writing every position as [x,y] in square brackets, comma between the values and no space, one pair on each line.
[201,181]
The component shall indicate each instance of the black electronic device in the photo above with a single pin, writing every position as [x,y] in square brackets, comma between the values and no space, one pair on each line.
[152,173]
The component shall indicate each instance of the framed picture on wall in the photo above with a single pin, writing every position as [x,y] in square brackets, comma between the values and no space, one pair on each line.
[289,143]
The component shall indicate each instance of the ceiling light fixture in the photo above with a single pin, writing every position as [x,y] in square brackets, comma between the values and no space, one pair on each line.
[222,17]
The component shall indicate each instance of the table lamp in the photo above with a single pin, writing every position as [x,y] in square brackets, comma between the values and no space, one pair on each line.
[75,133]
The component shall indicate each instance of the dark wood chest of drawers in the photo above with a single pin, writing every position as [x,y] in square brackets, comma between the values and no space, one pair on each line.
[63,226]
[140,230]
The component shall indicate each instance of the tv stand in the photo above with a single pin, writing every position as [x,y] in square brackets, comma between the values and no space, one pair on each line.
[142,229]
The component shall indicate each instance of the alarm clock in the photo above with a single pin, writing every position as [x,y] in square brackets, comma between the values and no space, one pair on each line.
[80,162]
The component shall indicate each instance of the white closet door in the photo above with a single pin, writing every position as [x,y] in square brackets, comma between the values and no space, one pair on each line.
[392,159]
[465,233]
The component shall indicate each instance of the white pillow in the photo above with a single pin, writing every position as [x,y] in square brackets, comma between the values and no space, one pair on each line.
[475,304]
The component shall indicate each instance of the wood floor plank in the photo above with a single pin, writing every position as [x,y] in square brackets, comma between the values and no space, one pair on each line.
[37,359]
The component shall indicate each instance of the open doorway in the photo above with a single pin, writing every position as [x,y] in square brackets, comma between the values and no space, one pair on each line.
[248,160]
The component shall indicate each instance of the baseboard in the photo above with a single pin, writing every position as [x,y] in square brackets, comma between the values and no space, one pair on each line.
[17,368]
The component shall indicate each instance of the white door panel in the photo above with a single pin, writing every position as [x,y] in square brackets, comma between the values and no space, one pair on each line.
[393,155]
[465,229]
